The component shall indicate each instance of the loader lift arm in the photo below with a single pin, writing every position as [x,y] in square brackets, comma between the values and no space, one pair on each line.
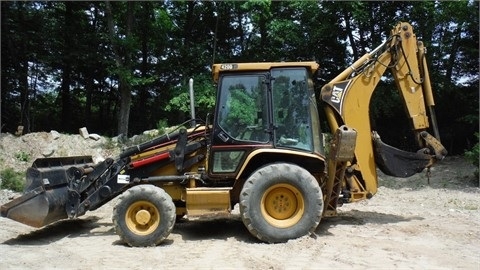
[348,99]
[68,187]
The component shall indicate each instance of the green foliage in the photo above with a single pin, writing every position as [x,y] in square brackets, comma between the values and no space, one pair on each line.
[179,103]
[109,144]
[162,126]
[60,69]
[473,154]
[12,180]
[22,156]
[360,12]
[258,7]
[204,94]
[240,115]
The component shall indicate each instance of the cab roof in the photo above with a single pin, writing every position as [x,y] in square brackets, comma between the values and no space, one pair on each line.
[258,66]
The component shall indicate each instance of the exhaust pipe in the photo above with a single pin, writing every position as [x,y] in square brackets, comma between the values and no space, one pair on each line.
[192,102]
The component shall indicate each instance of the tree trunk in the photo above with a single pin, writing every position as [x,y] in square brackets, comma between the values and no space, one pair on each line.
[124,111]
[452,55]
[23,82]
[66,116]
[89,88]
[264,37]
[124,84]
[348,29]
[24,94]
[4,29]
[142,108]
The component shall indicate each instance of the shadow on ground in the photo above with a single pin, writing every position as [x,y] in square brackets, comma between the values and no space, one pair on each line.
[217,228]
[356,217]
[66,228]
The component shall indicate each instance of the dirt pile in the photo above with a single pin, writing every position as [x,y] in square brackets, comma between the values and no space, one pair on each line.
[19,152]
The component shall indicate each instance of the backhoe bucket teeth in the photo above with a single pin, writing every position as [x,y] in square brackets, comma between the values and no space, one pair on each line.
[398,163]
[45,196]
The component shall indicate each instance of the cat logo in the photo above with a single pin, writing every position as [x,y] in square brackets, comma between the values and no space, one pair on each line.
[337,93]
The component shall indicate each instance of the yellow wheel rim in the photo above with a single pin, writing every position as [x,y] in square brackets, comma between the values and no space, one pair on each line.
[282,205]
[142,218]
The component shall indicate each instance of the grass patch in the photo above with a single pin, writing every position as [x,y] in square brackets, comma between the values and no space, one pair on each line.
[12,180]
[23,156]
[109,144]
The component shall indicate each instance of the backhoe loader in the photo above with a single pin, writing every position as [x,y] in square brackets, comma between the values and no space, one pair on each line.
[262,149]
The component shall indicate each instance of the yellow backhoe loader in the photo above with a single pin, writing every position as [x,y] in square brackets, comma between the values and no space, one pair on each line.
[262,149]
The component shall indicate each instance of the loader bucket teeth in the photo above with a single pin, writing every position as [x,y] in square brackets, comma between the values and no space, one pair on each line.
[45,196]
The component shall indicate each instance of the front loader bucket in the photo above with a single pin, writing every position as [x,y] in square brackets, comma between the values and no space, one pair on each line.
[37,207]
[45,196]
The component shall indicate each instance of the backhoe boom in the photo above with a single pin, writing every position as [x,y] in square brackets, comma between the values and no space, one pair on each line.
[348,99]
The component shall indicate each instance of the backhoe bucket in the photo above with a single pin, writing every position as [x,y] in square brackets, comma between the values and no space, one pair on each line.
[398,163]
[45,196]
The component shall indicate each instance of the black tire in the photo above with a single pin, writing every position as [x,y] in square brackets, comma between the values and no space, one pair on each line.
[144,216]
[281,201]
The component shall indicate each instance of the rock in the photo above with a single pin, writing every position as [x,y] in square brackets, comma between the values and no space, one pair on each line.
[19,131]
[55,134]
[98,158]
[83,132]
[134,138]
[94,136]
[48,151]
[151,133]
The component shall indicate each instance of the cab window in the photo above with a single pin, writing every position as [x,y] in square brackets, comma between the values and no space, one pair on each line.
[291,108]
[243,108]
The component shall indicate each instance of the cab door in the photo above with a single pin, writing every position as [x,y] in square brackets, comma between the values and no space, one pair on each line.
[242,120]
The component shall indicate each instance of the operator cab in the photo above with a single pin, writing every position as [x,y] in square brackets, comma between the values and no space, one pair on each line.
[263,105]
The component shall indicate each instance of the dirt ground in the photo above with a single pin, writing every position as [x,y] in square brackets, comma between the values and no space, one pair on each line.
[407,224]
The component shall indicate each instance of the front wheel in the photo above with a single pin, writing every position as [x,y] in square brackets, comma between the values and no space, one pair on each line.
[144,216]
[281,201]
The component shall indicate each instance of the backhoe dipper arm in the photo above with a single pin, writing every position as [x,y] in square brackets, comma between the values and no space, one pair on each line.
[348,98]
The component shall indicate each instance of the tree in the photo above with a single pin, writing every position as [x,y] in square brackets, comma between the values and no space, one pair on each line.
[21,42]
[123,63]
[71,64]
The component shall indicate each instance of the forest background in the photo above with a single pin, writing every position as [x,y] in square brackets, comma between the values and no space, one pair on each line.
[123,67]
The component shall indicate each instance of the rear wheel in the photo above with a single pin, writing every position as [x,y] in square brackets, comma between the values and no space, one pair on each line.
[281,201]
[144,216]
